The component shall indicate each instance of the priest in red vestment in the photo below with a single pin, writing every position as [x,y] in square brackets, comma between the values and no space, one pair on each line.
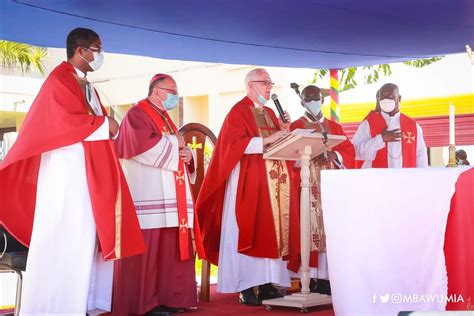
[340,156]
[63,192]
[245,202]
[159,168]
[387,138]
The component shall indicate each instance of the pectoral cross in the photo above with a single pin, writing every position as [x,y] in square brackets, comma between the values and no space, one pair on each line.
[408,137]
[180,177]
[194,145]
[183,226]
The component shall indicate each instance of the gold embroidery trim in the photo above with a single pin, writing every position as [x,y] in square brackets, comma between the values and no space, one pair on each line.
[118,222]
[278,185]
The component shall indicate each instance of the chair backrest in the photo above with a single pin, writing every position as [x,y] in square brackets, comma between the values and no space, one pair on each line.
[8,243]
[201,139]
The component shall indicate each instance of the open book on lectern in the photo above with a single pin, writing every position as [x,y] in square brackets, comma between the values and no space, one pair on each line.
[290,146]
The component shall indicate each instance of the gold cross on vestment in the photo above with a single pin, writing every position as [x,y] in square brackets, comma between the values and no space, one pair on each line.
[183,226]
[194,145]
[409,138]
[180,177]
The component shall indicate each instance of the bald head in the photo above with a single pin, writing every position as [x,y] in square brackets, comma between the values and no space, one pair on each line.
[390,87]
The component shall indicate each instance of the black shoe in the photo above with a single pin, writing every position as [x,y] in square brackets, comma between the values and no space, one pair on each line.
[165,311]
[248,297]
[313,286]
[320,286]
[324,287]
[157,311]
[267,292]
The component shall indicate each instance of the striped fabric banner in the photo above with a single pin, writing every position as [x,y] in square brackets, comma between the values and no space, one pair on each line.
[334,93]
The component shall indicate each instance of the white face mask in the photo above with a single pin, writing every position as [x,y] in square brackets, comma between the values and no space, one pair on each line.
[314,107]
[387,105]
[98,60]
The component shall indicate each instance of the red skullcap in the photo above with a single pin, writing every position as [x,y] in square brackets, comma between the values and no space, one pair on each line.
[158,77]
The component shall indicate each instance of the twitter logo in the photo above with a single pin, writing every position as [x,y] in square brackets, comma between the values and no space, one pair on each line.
[384,298]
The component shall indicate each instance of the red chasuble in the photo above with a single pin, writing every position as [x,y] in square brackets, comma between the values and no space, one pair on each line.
[409,134]
[257,235]
[347,151]
[59,117]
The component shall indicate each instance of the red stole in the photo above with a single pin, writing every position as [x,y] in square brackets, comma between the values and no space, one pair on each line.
[59,117]
[164,123]
[409,134]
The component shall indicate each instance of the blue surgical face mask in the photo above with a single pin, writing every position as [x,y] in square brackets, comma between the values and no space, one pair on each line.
[171,101]
[261,99]
[314,106]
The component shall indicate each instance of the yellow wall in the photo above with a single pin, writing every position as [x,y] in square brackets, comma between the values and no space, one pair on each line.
[196,110]
[356,112]
[11,119]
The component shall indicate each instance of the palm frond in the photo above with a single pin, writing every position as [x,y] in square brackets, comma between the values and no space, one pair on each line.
[372,74]
[22,56]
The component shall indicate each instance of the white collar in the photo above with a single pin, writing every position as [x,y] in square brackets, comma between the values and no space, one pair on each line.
[258,105]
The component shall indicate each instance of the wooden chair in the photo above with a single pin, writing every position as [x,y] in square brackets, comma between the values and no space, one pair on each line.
[201,139]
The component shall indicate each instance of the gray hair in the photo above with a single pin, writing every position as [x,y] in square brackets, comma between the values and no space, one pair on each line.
[253,75]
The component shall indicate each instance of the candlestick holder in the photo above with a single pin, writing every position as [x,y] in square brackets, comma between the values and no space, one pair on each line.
[452,156]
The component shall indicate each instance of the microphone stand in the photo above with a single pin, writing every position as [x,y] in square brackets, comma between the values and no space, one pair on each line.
[314,118]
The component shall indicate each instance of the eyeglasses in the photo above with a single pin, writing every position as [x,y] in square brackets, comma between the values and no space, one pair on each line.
[265,83]
[314,98]
[170,90]
[94,49]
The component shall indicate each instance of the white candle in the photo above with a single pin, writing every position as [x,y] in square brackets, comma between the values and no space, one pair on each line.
[451,124]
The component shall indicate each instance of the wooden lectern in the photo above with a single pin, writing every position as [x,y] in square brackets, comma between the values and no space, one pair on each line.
[302,145]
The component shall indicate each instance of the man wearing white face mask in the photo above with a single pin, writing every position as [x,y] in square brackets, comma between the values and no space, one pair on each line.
[61,184]
[387,138]
[159,168]
[342,154]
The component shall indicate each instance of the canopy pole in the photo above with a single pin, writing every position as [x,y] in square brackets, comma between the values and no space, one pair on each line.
[334,93]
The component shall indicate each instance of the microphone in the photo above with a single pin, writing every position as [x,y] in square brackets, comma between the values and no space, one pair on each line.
[279,108]
[295,87]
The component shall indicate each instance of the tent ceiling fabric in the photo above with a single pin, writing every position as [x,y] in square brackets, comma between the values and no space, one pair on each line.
[291,33]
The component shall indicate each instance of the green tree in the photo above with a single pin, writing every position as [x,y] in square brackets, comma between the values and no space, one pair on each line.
[347,76]
[23,56]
